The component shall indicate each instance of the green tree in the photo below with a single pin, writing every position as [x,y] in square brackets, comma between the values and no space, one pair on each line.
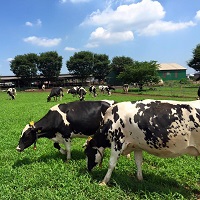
[195,61]
[140,73]
[119,62]
[81,64]
[50,64]
[100,66]
[25,66]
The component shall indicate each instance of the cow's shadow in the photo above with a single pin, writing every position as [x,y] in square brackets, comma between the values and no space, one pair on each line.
[160,186]
[76,155]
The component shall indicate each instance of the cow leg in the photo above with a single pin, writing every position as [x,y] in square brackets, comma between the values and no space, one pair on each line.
[138,161]
[67,143]
[57,146]
[112,163]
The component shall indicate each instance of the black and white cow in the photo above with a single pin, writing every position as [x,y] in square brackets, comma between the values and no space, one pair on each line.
[198,93]
[81,93]
[93,91]
[73,91]
[106,88]
[125,88]
[64,122]
[55,93]
[160,127]
[11,93]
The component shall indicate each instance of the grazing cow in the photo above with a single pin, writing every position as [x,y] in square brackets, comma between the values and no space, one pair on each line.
[125,88]
[160,127]
[64,122]
[11,93]
[73,91]
[93,91]
[106,88]
[55,93]
[81,93]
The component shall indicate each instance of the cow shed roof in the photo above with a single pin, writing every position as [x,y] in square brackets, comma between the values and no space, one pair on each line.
[171,66]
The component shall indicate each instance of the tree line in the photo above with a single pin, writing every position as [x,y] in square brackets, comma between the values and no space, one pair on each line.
[85,63]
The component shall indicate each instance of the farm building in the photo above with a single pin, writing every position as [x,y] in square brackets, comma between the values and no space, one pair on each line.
[167,71]
[171,71]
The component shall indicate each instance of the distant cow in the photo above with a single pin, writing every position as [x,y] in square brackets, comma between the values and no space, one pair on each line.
[126,88]
[11,93]
[160,127]
[55,93]
[64,122]
[105,88]
[81,93]
[93,91]
[73,91]
[43,87]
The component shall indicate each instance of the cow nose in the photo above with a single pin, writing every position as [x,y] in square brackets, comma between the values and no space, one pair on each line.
[18,149]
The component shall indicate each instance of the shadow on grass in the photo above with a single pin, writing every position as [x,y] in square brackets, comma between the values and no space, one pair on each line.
[76,155]
[152,183]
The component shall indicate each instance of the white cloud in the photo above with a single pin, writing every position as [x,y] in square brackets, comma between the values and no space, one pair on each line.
[28,24]
[101,35]
[45,42]
[197,17]
[70,49]
[145,17]
[127,16]
[162,26]
[37,23]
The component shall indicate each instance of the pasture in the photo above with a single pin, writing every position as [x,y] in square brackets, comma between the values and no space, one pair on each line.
[45,174]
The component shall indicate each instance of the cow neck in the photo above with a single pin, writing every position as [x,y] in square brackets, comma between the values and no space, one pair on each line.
[101,140]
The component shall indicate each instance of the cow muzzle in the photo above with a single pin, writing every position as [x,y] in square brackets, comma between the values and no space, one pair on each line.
[19,149]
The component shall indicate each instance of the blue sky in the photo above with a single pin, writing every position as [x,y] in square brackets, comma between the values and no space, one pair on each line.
[164,30]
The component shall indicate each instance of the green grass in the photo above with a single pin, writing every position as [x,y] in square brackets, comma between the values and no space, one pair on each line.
[45,174]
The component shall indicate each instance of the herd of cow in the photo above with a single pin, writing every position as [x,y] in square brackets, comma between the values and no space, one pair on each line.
[75,91]
[164,128]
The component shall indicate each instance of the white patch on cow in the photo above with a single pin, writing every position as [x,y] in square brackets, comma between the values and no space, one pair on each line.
[64,116]
[25,129]
[111,102]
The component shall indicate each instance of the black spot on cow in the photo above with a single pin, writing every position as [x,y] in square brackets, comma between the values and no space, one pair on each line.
[114,112]
[122,123]
[157,130]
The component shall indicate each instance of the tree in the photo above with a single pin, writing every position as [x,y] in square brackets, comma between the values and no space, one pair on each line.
[119,62]
[25,66]
[50,64]
[81,64]
[100,66]
[140,73]
[195,61]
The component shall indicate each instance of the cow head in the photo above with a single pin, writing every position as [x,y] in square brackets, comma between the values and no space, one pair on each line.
[28,137]
[93,153]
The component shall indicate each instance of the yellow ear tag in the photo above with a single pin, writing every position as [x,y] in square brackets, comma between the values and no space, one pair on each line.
[89,138]
[39,131]
[31,123]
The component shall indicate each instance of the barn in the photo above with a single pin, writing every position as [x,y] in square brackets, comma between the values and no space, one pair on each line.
[171,71]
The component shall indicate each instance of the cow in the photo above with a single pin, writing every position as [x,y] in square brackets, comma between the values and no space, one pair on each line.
[73,91]
[93,91]
[126,88]
[11,93]
[43,87]
[55,93]
[81,93]
[163,128]
[64,122]
[106,88]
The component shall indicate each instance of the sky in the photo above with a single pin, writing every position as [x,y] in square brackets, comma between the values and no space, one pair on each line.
[166,31]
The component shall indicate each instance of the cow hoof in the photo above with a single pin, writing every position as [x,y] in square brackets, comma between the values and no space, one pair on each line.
[102,184]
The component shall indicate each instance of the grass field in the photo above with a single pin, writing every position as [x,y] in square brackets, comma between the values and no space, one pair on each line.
[45,174]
